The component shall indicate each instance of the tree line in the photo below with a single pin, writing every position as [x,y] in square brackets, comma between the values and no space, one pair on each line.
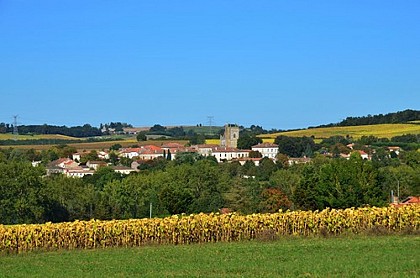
[74,131]
[405,116]
[192,184]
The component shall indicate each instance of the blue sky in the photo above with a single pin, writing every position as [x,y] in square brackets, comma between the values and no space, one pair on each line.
[279,64]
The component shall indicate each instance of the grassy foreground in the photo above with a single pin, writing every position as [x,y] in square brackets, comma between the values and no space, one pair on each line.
[366,256]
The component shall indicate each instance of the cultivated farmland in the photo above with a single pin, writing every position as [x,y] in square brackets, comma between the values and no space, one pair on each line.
[9,136]
[201,228]
[381,131]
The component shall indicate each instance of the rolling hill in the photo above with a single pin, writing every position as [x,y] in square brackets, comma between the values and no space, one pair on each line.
[380,130]
[9,136]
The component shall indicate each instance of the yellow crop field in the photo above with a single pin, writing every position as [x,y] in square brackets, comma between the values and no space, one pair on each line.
[9,136]
[268,140]
[213,141]
[381,131]
[200,228]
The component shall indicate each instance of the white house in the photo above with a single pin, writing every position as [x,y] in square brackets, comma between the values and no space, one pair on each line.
[96,164]
[76,156]
[205,149]
[130,152]
[103,155]
[364,155]
[267,149]
[123,170]
[396,150]
[243,160]
[147,154]
[78,172]
[299,160]
[227,154]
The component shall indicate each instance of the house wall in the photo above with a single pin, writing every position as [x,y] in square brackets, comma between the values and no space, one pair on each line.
[270,152]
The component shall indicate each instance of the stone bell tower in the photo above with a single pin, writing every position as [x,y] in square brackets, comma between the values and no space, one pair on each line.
[230,138]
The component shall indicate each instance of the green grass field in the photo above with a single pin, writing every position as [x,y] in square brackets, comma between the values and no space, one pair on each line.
[203,129]
[381,131]
[358,256]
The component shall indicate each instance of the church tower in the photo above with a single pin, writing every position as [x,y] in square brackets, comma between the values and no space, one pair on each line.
[230,137]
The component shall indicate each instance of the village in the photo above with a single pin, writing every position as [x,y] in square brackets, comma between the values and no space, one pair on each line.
[226,151]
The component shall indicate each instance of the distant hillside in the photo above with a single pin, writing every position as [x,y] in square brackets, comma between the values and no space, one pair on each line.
[390,118]
[10,136]
[379,130]
[75,131]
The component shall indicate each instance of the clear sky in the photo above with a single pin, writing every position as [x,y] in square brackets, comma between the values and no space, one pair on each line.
[278,64]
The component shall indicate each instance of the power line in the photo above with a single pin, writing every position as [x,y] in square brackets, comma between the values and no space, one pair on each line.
[210,121]
[15,128]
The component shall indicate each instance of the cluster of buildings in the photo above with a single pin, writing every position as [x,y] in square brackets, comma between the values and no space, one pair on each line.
[72,168]
[365,155]
[226,151]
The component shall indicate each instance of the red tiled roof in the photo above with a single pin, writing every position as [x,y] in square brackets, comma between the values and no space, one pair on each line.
[206,146]
[97,162]
[228,150]
[265,145]
[411,200]
[130,150]
[151,147]
[172,145]
[151,152]
[249,158]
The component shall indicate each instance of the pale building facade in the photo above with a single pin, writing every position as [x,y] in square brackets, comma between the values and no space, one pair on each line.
[267,150]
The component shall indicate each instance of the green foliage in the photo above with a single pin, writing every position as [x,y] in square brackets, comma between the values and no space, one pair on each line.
[141,136]
[91,156]
[334,140]
[192,183]
[197,139]
[272,200]
[339,183]
[246,141]
[115,147]
[153,165]
[187,157]
[295,146]
[286,181]
[101,177]
[255,154]
[67,199]
[20,193]
[411,158]
[339,148]
[157,128]
[407,138]
[390,118]
[75,131]
[266,168]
